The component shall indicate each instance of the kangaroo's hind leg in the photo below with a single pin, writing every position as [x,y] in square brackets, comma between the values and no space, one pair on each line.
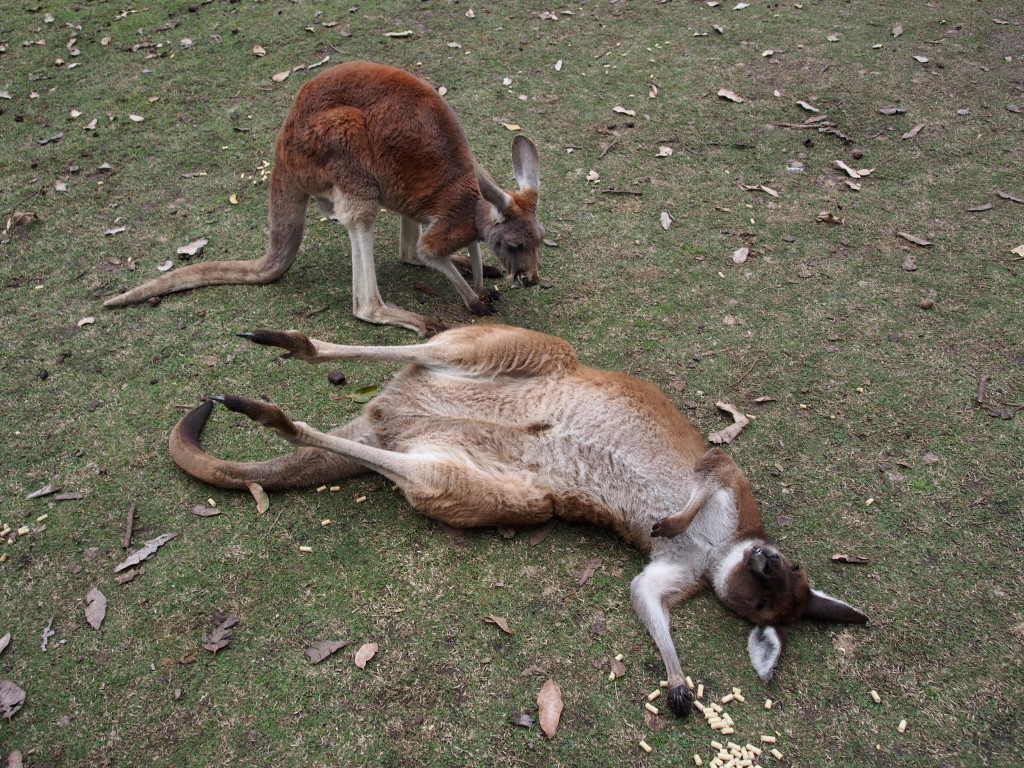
[470,351]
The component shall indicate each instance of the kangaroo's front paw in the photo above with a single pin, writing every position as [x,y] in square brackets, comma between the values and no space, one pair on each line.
[482,308]
[680,700]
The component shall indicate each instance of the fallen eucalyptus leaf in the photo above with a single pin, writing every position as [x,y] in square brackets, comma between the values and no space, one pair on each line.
[892,111]
[853,174]
[915,240]
[624,111]
[727,94]
[258,50]
[166,266]
[897,31]
[979,208]
[192,249]
[403,33]
[618,668]
[204,511]
[731,432]
[96,608]
[262,499]
[5,641]
[855,559]
[47,634]
[280,77]
[365,653]
[323,649]
[522,720]
[586,573]
[11,699]
[828,218]
[549,707]
[500,621]
[542,532]
[739,256]
[114,231]
[921,59]
[666,220]
[46,490]
[804,105]
[664,152]
[1007,196]
[145,552]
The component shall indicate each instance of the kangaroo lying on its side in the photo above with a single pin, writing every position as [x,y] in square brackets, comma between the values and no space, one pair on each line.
[360,136]
[492,425]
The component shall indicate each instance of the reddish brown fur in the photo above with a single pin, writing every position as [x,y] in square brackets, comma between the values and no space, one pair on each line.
[360,136]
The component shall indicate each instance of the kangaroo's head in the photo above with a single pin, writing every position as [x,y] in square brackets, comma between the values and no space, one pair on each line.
[510,224]
[761,585]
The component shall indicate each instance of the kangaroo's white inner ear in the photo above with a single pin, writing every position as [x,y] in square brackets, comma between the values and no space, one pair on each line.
[765,647]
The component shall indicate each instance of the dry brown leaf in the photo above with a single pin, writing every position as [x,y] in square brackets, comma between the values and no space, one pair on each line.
[914,131]
[853,559]
[915,240]
[11,699]
[664,152]
[404,33]
[587,572]
[542,532]
[853,174]
[549,707]
[897,31]
[921,59]
[725,93]
[979,208]
[506,531]
[324,648]
[202,510]
[145,552]
[624,111]
[828,218]
[262,499]
[194,248]
[731,432]
[1008,196]
[258,50]
[500,621]
[219,637]
[46,490]
[522,720]
[14,760]
[892,111]
[280,77]
[804,105]
[96,608]
[365,653]
[5,641]
[618,668]
[666,220]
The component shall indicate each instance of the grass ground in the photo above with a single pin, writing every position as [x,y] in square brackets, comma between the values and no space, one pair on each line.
[874,396]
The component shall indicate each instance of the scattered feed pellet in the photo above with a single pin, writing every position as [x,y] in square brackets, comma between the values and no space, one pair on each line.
[875,696]
[645,746]
[902,726]
[305,549]
[651,708]
[654,694]
[776,754]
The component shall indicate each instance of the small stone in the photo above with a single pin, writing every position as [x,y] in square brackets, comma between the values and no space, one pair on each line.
[546,284]
[336,377]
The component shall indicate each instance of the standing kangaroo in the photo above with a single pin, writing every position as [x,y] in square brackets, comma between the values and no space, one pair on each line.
[493,425]
[360,136]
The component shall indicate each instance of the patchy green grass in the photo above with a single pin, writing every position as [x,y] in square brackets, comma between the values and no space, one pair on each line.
[874,396]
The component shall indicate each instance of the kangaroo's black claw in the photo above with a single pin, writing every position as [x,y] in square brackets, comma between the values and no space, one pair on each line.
[680,700]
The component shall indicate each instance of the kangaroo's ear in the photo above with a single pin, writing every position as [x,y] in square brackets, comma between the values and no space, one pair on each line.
[822,607]
[525,163]
[491,192]
[765,647]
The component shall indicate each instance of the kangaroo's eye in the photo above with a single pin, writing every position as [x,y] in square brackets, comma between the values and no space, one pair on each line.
[761,604]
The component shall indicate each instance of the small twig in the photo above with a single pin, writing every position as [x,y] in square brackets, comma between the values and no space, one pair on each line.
[700,355]
[312,312]
[607,149]
[741,378]
[621,192]
[129,525]
[982,389]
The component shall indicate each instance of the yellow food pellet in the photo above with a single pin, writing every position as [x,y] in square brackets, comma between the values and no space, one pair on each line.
[700,691]
[717,707]
[768,703]
[740,699]
[663,683]
[768,739]
[803,406]
[736,690]
[875,696]
[689,682]
[23,530]
[753,750]
[3,557]
[619,657]
[902,726]
[645,746]
[360,500]
[325,522]
[335,488]
[41,518]
[776,754]
[651,708]
[728,730]
[653,695]
[718,725]
[733,746]
[728,697]
[611,675]
[321,489]
[697,760]
[211,503]
[869,502]
[305,549]
[716,745]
